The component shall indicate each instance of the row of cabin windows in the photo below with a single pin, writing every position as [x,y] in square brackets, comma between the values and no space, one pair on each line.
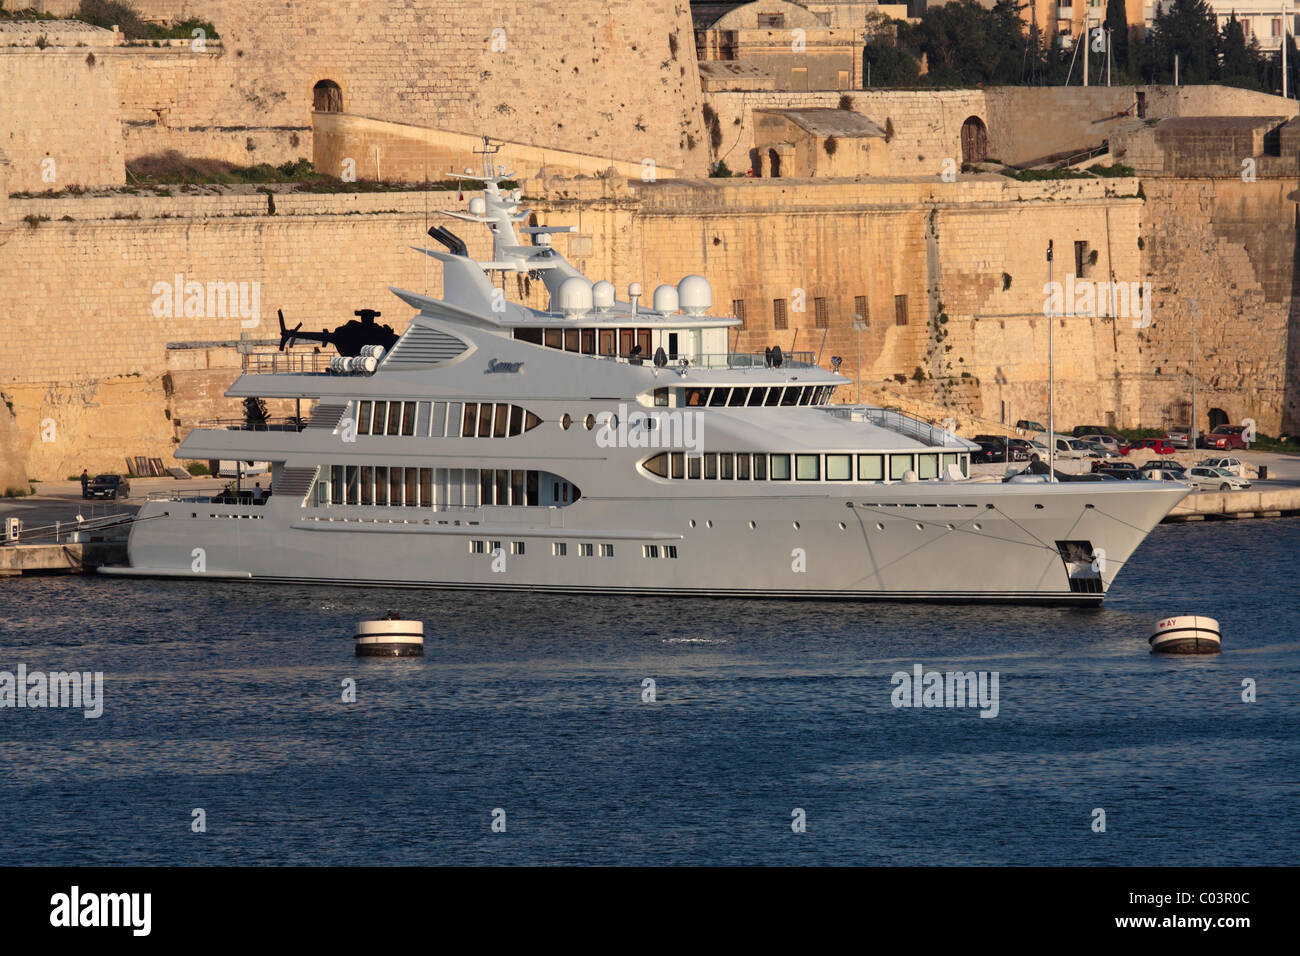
[592,341]
[386,486]
[444,419]
[560,549]
[747,396]
[659,551]
[822,310]
[495,420]
[742,466]
[495,547]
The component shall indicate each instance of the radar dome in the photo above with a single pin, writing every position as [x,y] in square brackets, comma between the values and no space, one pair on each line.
[634,288]
[478,206]
[665,299]
[695,295]
[602,295]
[574,296]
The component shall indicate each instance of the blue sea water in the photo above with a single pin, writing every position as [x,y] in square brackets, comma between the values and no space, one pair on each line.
[228,697]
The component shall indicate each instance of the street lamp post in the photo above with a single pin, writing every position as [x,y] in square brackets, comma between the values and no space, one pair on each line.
[1051,372]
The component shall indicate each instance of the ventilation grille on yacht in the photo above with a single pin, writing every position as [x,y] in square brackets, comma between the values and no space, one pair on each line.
[422,346]
[296,482]
[327,416]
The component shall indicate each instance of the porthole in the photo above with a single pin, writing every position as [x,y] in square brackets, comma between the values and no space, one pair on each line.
[1089,506]
[565,421]
[1038,507]
[976,526]
[709,523]
[843,526]
[919,526]
[796,526]
[753,525]
[692,522]
[879,526]
[951,527]
[589,422]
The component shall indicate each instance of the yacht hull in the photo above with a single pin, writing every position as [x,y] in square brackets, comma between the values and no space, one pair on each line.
[930,541]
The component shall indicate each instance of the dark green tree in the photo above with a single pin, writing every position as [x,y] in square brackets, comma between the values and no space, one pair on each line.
[1117,25]
[1187,30]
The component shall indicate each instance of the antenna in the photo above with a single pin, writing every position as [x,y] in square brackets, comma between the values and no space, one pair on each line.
[489,150]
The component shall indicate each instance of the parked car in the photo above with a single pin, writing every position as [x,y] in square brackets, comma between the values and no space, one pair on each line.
[1089,431]
[1072,448]
[989,452]
[1161,446]
[1030,447]
[1214,479]
[1097,448]
[1013,451]
[1117,445]
[108,486]
[1163,464]
[1030,426]
[1233,466]
[1225,437]
[1123,474]
[1178,437]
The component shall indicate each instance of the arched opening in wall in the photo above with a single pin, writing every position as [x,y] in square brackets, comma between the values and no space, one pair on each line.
[1217,417]
[974,140]
[326,97]
[756,167]
[774,163]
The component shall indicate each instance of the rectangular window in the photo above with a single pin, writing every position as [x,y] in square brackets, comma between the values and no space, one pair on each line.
[364,410]
[661,398]
[381,486]
[780,467]
[426,487]
[408,418]
[470,421]
[760,467]
[860,310]
[396,484]
[871,468]
[516,547]
[354,485]
[559,549]
[517,487]
[571,340]
[791,395]
[643,339]
[626,339]
[839,468]
[678,460]
[738,309]
[773,396]
[711,466]
[927,466]
[484,420]
[554,338]
[422,418]
[588,341]
[501,421]
[503,486]
[738,398]
[900,310]
[367,485]
[606,550]
[412,487]
[516,420]
[670,551]
[898,466]
[532,493]
[742,468]
[807,467]
[718,397]
[1080,259]
[757,396]
[394,419]
[450,426]
[821,313]
[650,550]
[780,320]
[478,547]
[726,466]
[586,551]
[693,466]
[606,341]
[486,487]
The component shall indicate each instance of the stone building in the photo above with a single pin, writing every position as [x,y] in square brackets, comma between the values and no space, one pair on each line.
[817,142]
[789,42]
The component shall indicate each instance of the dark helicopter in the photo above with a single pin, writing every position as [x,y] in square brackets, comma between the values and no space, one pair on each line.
[347,339]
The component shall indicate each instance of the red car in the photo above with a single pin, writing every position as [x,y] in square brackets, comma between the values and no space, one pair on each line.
[1223,438]
[1158,445]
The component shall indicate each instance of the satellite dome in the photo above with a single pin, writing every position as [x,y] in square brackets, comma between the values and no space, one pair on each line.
[665,299]
[478,206]
[695,295]
[634,289]
[574,296]
[602,295]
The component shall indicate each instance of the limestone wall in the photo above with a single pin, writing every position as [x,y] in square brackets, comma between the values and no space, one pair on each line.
[60,123]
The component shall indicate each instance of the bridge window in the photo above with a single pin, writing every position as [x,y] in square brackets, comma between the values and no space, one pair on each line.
[839,468]
[807,467]
[780,467]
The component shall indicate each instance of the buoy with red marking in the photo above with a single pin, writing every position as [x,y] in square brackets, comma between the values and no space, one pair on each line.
[390,637]
[1186,634]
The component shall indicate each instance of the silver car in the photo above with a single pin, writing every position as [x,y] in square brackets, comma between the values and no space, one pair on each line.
[1204,478]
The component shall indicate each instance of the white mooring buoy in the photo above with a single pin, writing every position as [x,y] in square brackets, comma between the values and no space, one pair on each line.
[1186,634]
[390,637]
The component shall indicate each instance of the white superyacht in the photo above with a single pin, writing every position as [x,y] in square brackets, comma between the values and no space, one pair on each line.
[608,446]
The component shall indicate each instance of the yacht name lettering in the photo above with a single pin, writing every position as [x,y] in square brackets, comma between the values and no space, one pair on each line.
[496,365]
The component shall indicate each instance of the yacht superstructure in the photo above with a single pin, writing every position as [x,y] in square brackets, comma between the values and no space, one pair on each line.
[612,446]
